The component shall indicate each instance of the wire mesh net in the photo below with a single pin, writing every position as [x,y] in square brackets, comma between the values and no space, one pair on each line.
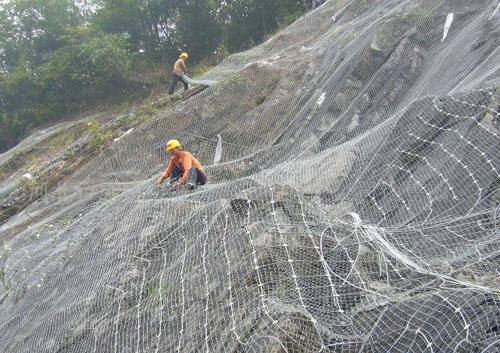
[353,205]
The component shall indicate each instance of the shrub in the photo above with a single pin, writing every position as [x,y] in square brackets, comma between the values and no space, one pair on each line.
[99,135]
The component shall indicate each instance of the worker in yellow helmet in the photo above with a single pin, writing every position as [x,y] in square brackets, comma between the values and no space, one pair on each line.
[179,69]
[184,169]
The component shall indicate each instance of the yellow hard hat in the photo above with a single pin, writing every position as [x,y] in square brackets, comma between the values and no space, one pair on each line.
[173,144]
[184,55]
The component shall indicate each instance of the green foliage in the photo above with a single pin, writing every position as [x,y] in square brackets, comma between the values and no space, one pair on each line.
[29,29]
[145,21]
[210,61]
[126,120]
[230,82]
[93,67]
[198,28]
[251,20]
[35,183]
[204,28]
[99,135]
[28,184]
[57,59]
[12,128]
[147,111]
[289,17]
[221,53]
[199,70]
[3,173]
[60,142]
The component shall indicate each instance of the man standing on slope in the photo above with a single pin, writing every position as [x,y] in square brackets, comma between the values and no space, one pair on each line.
[183,168]
[177,72]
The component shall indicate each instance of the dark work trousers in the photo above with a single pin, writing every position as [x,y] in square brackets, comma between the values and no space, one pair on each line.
[174,81]
[196,177]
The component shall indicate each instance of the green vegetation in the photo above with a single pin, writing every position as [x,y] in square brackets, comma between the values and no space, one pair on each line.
[35,183]
[60,57]
[146,111]
[59,142]
[200,69]
[99,135]
[230,82]
[3,173]
[127,120]
[153,292]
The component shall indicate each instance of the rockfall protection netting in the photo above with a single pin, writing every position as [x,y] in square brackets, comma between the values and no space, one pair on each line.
[355,207]
[198,82]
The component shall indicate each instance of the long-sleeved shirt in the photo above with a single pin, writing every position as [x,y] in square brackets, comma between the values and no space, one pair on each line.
[185,161]
[179,67]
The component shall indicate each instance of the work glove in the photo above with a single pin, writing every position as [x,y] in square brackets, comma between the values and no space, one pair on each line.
[176,187]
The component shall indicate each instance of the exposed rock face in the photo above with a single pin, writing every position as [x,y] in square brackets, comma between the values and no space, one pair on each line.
[355,208]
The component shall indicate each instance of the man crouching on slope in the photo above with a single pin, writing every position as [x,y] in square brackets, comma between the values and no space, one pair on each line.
[183,169]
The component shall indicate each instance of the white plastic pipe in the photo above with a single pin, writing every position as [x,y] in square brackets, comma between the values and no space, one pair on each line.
[218,150]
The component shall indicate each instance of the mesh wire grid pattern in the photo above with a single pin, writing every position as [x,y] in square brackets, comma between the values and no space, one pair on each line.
[355,208]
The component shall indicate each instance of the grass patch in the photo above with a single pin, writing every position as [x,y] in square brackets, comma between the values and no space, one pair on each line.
[147,111]
[60,142]
[144,112]
[126,120]
[162,102]
[229,82]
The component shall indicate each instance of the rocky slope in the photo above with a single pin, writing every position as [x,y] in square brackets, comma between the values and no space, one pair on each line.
[355,207]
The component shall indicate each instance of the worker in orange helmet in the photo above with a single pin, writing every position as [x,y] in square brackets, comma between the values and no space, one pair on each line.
[184,169]
[178,71]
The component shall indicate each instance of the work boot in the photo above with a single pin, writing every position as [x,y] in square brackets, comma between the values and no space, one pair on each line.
[191,186]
